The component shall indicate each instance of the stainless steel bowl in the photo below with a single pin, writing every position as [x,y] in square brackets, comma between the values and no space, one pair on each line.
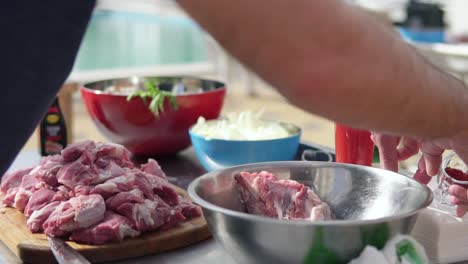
[371,205]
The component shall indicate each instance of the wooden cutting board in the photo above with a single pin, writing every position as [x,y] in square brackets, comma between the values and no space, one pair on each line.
[34,248]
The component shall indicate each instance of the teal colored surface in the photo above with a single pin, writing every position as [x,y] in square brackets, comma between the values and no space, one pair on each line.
[123,39]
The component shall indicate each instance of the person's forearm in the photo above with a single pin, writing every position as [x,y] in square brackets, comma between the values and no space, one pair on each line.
[338,62]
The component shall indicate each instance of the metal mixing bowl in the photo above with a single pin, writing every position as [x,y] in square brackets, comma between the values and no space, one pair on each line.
[371,205]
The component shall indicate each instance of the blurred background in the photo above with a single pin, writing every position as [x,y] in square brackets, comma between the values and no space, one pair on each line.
[155,37]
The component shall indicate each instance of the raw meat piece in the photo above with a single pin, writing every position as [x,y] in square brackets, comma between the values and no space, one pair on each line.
[73,151]
[124,183]
[152,167]
[113,228]
[79,172]
[81,190]
[188,209]
[264,194]
[78,212]
[320,212]
[9,199]
[133,196]
[38,199]
[38,217]
[150,215]
[13,179]
[106,152]
[48,168]
[62,193]
[63,213]
[112,170]
[65,195]
[160,186]
[29,184]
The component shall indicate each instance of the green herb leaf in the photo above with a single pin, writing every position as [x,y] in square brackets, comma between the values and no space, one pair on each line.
[149,86]
[161,103]
[173,102]
[131,96]
[157,97]
[154,104]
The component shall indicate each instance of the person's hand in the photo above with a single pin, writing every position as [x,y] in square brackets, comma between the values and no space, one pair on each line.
[459,197]
[391,153]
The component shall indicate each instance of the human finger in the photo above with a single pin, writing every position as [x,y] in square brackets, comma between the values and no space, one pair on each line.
[409,148]
[458,192]
[456,201]
[432,156]
[461,210]
[421,174]
[388,153]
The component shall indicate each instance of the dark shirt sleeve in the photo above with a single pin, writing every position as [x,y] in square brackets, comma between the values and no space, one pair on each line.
[38,45]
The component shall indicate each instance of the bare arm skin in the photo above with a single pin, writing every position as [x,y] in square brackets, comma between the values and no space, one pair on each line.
[334,60]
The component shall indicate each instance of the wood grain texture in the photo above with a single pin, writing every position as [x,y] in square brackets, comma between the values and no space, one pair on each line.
[34,248]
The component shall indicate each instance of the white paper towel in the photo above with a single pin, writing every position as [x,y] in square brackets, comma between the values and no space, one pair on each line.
[389,254]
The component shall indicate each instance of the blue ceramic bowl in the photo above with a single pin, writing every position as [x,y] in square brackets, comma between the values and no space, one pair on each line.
[216,154]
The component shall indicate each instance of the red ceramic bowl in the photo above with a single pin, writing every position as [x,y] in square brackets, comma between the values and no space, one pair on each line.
[133,125]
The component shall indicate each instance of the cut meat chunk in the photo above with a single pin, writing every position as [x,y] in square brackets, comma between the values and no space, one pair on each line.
[320,212]
[93,192]
[89,209]
[38,199]
[48,168]
[74,151]
[124,183]
[63,214]
[13,179]
[112,170]
[81,190]
[28,186]
[133,196]
[264,194]
[113,228]
[38,217]
[188,209]
[106,152]
[150,215]
[160,187]
[79,172]
[9,199]
[152,167]
[78,212]
[62,193]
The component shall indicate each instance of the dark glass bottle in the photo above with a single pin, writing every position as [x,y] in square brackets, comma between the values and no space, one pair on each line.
[53,131]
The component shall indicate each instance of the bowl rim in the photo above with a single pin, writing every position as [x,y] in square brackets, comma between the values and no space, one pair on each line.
[336,222]
[84,87]
[295,127]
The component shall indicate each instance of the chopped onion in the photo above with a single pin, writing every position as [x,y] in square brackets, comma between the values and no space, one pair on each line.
[240,126]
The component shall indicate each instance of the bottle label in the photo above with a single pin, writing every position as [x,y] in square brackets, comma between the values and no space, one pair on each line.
[52,147]
[53,131]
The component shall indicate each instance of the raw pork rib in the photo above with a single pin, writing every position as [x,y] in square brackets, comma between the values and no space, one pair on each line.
[93,194]
[264,194]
